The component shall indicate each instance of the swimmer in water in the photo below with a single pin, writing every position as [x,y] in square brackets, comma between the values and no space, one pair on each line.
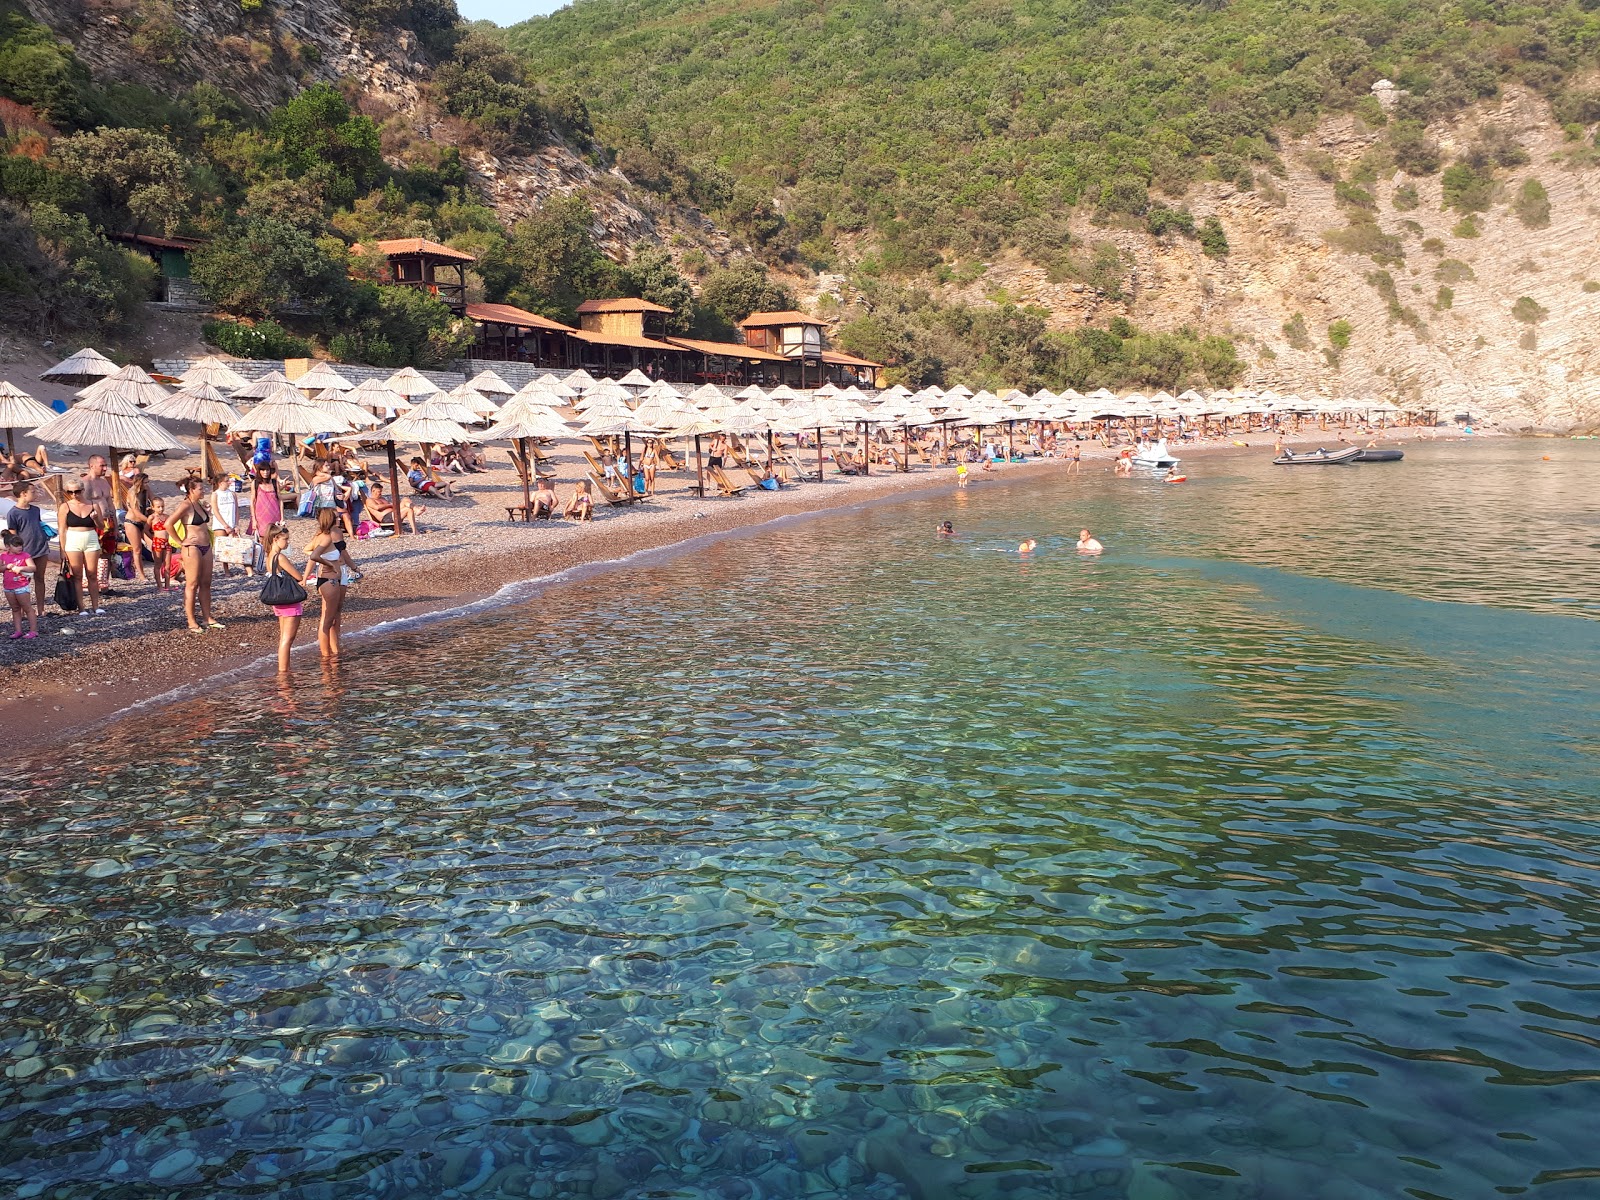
[1027,546]
[946,529]
[1087,544]
[1172,473]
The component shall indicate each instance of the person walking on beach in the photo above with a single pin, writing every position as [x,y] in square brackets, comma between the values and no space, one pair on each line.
[78,525]
[27,522]
[325,557]
[276,538]
[194,547]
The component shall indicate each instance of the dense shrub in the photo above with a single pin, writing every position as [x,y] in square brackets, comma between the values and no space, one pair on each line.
[1532,204]
[260,339]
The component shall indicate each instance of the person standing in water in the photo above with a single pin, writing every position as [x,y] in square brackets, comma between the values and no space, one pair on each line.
[1087,543]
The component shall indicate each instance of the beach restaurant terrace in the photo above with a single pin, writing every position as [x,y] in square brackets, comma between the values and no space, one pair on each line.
[417,262]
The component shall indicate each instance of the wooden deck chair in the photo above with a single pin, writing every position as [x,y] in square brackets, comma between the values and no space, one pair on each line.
[666,460]
[724,484]
[845,463]
[606,492]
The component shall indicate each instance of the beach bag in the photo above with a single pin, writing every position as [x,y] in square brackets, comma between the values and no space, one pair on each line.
[638,483]
[365,529]
[124,564]
[235,551]
[306,502]
[281,589]
[66,592]
[770,485]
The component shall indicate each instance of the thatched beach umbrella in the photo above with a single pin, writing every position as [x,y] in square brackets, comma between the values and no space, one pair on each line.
[412,384]
[267,385]
[636,379]
[108,420]
[213,371]
[697,427]
[202,404]
[132,383]
[355,414]
[323,378]
[375,396]
[80,369]
[488,383]
[521,422]
[18,410]
[427,424]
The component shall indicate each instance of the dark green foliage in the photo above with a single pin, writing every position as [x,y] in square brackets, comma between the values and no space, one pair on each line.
[1213,240]
[263,339]
[968,117]
[1162,220]
[435,22]
[1339,334]
[652,275]
[1532,204]
[398,327]
[1529,311]
[1354,197]
[1296,333]
[130,178]
[264,265]
[1006,346]
[317,135]
[58,274]
[552,261]
[1445,298]
[731,293]
[485,83]
[1467,189]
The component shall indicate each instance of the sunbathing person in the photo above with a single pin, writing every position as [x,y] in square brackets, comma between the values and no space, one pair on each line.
[381,511]
[544,500]
[423,485]
[581,506]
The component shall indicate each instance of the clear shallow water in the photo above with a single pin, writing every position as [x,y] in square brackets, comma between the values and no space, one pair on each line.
[842,860]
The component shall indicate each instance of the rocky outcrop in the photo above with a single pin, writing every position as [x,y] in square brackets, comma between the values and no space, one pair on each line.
[1468,349]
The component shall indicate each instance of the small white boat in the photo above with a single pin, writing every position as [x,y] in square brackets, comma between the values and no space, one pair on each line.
[1155,455]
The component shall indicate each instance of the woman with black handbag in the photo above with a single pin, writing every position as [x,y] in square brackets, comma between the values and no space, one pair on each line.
[283,592]
[78,526]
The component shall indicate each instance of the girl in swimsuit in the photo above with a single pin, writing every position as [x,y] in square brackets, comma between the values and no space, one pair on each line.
[136,523]
[276,538]
[79,524]
[266,506]
[324,555]
[195,549]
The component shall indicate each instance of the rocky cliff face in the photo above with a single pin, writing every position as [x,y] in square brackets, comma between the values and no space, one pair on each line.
[1475,347]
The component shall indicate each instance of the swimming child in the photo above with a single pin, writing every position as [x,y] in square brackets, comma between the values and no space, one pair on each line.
[1027,546]
[18,568]
[946,529]
[160,547]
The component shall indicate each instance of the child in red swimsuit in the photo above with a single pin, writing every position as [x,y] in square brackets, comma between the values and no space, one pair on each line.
[160,548]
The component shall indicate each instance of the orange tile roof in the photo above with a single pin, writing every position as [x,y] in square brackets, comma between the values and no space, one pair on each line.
[758,320]
[624,305]
[841,359]
[505,314]
[394,247]
[729,350]
[617,339]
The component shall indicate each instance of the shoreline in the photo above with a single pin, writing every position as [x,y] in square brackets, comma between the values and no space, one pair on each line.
[118,670]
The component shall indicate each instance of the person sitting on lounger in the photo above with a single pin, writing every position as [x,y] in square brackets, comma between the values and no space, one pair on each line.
[581,505]
[381,511]
[544,500]
[425,486]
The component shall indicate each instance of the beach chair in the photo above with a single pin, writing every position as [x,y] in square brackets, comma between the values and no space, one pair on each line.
[609,494]
[666,460]
[724,484]
[845,463]
[800,470]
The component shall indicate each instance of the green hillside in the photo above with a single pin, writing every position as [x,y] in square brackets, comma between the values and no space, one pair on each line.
[935,131]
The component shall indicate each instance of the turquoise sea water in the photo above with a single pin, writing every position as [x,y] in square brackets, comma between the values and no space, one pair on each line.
[1256,859]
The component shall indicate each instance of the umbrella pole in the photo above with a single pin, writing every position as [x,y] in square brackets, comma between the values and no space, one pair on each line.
[699,469]
[525,469]
[866,448]
[820,472]
[394,486]
[905,444]
[11,443]
[1011,433]
[627,454]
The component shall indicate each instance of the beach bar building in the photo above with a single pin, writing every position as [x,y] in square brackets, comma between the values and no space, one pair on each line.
[417,262]
[802,343]
[625,333]
[506,333]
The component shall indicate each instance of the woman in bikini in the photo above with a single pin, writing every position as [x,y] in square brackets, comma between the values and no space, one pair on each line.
[136,524]
[324,556]
[195,549]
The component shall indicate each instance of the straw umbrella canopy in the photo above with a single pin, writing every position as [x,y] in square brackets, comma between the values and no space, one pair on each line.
[520,420]
[109,420]
[284,411]
[212,371]
[474,401]
[428,424]
[131,383]
[18,410]
[452,406]
[374,394]
[354,414]
[321,378]
[81,369]
[198,402]
[696,427]
[579,381]
[489,383]
[752,392]
[961,390]
[411,383]
[552,382]
[636,379]
[784,394]
[269,384]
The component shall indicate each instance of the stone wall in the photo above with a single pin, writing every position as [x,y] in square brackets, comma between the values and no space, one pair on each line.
[255,368]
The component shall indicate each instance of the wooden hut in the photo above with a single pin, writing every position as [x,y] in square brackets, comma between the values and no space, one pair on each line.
[417,262]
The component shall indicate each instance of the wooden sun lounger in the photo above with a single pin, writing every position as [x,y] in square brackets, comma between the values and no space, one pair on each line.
[608,493]
[724,484]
